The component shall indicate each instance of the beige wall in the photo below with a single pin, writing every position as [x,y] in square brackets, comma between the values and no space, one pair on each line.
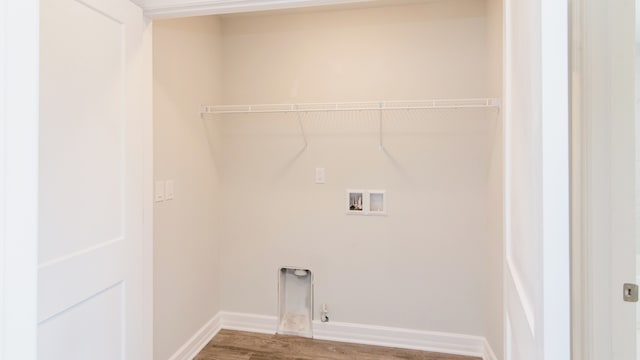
[186,254]
[404,53]
[246,203]
[424,266]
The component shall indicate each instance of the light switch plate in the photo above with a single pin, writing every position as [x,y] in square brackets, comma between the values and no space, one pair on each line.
[168,190]
[320,175]
[159,191]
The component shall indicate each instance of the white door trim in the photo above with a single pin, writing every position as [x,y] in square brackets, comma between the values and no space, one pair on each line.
[579,271]
[536,180]
[19,36]
[556,270]
[600,33]
[580,323]
[147,236]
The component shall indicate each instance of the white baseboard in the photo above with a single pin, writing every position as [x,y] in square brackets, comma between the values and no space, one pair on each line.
[400,338]
[249,322]
[199,340]
[343,332]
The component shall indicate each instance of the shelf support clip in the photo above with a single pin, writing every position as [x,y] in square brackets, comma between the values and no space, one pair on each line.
[304,134]
[380,142]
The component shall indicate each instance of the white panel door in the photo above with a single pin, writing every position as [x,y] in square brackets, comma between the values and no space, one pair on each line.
[621,48]
[616,128]
[92,173]
[537,271]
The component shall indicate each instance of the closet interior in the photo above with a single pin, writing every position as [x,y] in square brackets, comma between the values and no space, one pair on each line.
[266,123]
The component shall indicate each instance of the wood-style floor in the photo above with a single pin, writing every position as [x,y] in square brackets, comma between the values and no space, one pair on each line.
[236,345]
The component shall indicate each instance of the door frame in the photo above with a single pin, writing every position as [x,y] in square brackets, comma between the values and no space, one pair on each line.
[148,186]
[582,196]
[599,33]
[19,43]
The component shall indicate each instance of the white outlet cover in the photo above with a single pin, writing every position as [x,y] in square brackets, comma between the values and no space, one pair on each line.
[320,175]
[377,204]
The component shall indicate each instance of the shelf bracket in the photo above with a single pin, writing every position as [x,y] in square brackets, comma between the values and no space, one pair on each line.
[380,142]
[304,134]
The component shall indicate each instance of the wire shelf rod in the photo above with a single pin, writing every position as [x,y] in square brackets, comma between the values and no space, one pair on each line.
[353,106]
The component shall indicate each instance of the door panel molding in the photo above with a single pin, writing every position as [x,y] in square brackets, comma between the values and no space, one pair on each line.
[60,285]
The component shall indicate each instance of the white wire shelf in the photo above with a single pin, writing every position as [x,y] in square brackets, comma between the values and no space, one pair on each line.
[353,106]
[376,106]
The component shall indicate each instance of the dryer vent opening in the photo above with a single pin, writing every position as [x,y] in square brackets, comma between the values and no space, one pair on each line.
[295,312]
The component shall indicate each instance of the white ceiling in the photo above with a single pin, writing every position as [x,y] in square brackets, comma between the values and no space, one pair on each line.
[181,8]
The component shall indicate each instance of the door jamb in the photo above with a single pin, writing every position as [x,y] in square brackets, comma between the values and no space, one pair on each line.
[19,65]
[594,291]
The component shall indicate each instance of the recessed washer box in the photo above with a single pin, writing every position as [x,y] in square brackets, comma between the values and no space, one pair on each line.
[366,202]
[295,299]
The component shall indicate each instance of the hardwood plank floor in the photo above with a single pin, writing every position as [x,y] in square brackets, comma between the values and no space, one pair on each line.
[237,345]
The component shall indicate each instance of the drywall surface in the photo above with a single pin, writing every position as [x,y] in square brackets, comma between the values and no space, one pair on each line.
[494,318]
[186,272]
[424,265]
[427,51]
